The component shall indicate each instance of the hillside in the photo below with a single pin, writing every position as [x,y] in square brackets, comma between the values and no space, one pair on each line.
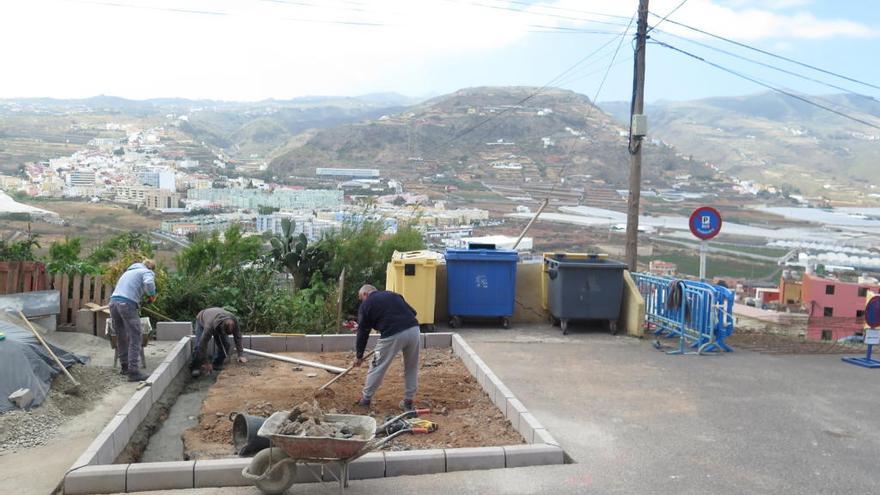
[489,134]
[773,138]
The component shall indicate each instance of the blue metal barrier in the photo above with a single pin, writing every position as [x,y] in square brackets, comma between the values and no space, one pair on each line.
[700,315]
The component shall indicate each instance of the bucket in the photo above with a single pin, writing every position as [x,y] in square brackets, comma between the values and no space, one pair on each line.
[244,433]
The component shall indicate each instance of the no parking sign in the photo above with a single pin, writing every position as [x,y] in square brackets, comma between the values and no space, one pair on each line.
[705,223]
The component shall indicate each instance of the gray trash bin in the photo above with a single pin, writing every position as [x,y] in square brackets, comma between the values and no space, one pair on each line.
[580,288]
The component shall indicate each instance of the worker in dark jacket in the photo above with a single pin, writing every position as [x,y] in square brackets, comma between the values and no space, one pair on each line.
[215,324]
[389,313]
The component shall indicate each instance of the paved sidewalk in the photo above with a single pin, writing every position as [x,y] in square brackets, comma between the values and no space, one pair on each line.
[635,420]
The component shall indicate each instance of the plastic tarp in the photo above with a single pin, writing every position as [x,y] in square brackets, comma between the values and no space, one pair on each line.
[25,363]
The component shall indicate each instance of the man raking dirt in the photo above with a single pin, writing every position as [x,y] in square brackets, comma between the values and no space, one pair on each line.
[398,328]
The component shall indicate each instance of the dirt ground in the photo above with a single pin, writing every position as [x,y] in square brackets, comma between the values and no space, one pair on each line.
[465,414]
[769,343]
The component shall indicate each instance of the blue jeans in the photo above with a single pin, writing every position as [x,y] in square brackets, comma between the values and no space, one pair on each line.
[222,346]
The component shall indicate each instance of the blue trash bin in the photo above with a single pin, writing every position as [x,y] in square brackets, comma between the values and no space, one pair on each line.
[481,283]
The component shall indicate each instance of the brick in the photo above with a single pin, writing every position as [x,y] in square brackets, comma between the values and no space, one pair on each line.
[369,466]
[295,343]
[220,473]
[149,476]
[410,462]
[532,455]
[337,343]
[314,343]
[22,398]
[438,340]
[173,330]
[544,436]
[468,459]
[527,426]
[269,343]
[96,479]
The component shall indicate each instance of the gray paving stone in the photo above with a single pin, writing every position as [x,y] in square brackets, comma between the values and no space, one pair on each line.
[87,458]
[314,343]
[467,459]
[117,428]
[337,343]
[541,435]
[527,426]
[173,330]
[296,343]
[438,340]
[149,476]
[96,479]
[411,462]
[533,455]
[220,472]
[160,379]
[369,466]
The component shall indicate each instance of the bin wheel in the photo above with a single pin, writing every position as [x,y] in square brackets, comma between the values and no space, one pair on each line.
[505,322]
[552,320]
[455,322]
[564,325]
[612,326]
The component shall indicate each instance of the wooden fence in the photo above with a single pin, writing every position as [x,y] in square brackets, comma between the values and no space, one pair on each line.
[75,290]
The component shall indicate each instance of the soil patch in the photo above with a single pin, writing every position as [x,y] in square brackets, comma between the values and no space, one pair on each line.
[25,429]
[465,414]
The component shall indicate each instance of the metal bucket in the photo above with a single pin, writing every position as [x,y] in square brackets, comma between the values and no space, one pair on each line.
[244,433]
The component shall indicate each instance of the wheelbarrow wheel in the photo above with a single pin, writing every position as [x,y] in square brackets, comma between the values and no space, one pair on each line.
[275,473]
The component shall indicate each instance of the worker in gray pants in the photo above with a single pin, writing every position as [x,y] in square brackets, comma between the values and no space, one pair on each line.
[136,282]
[398,328]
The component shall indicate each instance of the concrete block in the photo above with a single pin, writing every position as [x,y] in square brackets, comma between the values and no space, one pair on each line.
[268,343]
[96,479]
[422,337]
[502,394]
[118,430]
[438,340]
[177,357]
[48,323]
[159,379]
[87,458]
[85,321]
[142,401]
[468,459]
[415,462]
[544,436]
[460,344]
[469,363]
[527,426]
[221,473]
[22,398]
[532,455]
[337,343]
[369,466]
[513,411]
[314,343]
[154,476]
[295,343]
[103,445]
[173,330]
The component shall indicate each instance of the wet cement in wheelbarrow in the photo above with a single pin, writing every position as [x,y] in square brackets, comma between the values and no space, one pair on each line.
[465,414]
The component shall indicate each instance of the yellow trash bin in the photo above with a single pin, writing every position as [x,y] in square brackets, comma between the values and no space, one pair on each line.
[413,275]
[545,301]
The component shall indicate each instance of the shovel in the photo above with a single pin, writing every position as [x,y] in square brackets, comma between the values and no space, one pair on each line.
[75,388]
[337,377]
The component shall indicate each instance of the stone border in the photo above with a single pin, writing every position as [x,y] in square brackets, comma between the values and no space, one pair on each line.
[94,471]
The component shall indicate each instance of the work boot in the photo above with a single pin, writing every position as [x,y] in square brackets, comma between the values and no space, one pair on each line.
[124,370]
[362,402]
[137,376]
[406,405]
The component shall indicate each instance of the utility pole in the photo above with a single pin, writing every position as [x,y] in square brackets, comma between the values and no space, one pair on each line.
[638,129]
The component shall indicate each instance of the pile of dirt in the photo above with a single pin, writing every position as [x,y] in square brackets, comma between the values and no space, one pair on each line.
[307,420]
[25,429]
[465,414]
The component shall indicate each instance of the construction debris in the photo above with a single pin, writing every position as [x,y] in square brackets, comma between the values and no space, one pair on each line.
[307,420]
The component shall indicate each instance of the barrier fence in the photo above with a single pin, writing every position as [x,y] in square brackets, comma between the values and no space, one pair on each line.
[700,315]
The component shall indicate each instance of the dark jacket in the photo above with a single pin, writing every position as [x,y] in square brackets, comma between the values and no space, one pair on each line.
[387,312]
[212,321]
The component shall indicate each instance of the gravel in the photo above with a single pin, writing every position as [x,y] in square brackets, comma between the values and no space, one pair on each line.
[25,429]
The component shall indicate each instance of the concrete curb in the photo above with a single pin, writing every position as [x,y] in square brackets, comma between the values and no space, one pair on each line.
[93,472]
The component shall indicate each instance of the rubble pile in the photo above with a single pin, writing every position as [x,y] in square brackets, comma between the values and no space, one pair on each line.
[307,420]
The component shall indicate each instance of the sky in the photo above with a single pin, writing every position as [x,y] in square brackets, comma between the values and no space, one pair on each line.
[251,50]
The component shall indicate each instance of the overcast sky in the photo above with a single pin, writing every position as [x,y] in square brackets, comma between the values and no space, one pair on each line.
[257,49]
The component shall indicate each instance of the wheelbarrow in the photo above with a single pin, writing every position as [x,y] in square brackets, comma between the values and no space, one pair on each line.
[273,470]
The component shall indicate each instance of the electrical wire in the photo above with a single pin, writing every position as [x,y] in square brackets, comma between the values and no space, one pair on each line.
[524,11]
[651,28]
[766,85]
[771,54]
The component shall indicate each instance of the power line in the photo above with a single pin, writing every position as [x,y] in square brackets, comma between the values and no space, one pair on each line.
[523,11]
[769,66]
[771,54]
[766,85]
[667,15]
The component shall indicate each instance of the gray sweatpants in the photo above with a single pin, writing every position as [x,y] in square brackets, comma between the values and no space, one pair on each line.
[127,325]
[406,342]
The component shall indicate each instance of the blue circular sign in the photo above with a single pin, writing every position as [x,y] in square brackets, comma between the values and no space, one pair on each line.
[705,222]
[872,312]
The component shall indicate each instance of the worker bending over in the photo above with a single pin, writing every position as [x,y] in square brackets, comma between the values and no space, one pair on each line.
[398,328]
[217,324]
[137,280]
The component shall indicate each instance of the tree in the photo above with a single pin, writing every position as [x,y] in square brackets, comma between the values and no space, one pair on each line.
[293,253]
[64,257]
